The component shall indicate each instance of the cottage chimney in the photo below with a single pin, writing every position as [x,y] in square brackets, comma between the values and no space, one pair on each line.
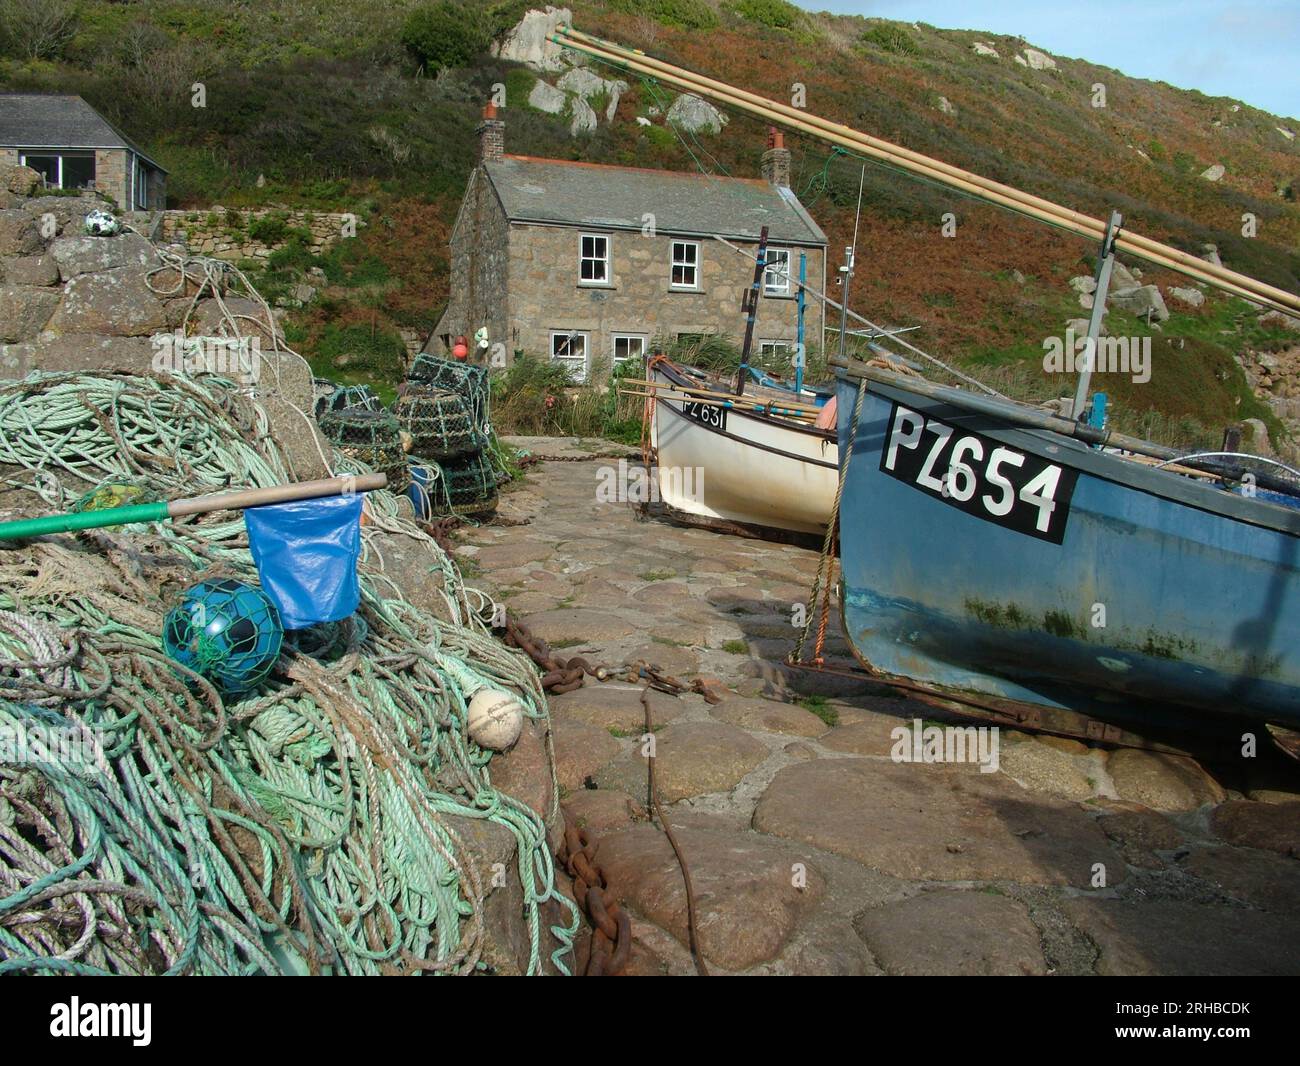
[776,160]
[492,136]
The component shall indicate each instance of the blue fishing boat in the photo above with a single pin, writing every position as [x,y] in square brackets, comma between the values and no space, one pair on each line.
[990,556]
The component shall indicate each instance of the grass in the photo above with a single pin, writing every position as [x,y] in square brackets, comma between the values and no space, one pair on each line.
[736,647]
[821,707]
[657,575]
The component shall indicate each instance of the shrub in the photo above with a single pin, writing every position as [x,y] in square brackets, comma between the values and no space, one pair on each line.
[445,34]
[269,229]
[682,14]
[775,14]
[890,38]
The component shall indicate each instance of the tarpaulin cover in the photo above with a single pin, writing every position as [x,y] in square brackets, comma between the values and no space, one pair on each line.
[306,553]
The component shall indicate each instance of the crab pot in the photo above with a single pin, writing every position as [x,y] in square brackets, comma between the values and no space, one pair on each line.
[470,383]
[471,483]
[322,391]
[438,421]
[370,437]
[348,397]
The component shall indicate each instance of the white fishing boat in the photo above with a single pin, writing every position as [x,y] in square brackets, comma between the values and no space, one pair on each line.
[729,463]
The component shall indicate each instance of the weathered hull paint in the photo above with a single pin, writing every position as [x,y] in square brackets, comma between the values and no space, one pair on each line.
[757,470]
[1197,589]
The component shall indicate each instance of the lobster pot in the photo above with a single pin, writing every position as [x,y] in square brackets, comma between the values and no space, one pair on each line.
[470,383]
[322,391]
[370,437]
[438,421]
[470,483]
[347,397]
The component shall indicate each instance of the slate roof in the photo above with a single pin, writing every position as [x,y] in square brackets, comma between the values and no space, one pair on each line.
[559,192]
[47,120]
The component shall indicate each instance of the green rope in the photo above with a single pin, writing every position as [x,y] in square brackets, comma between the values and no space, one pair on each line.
[309,826]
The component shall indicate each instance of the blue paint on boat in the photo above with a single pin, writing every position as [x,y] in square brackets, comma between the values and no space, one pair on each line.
[1105,587]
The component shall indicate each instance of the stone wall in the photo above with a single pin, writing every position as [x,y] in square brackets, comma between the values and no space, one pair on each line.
[223,234]
[545,294]
[111,170]
[480,269]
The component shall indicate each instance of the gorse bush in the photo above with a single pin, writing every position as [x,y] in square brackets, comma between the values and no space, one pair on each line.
[775,14]
[681,14]
[891,38]
[445,34]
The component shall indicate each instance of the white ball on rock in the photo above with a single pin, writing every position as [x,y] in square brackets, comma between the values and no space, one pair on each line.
[495,719]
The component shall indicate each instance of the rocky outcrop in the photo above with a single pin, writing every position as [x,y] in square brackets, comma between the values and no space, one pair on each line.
[1036,60]
[1214,173]
[1142,300]
[528,42]
[690,112]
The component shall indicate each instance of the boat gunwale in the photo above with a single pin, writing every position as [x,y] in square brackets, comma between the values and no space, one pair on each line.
[1153,481]
[674,373]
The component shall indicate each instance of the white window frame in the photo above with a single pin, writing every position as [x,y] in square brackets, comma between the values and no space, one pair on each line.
[603,260]
[139,181]
[22,160]
[693,266]
[579,367]
[775,347]
[770,274]
[642,338]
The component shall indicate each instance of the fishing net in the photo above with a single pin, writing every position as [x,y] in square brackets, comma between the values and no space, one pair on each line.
[372,437]
[468,382]
[438,421]
[149,822]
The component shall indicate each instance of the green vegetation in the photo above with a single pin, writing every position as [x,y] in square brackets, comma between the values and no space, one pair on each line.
[657,575]
[736,647]
[891,37]
[680,14]
[349,106]
[445,34]
[775,14]
[821,707]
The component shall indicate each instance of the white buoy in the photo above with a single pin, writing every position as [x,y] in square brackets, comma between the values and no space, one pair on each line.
[495,719]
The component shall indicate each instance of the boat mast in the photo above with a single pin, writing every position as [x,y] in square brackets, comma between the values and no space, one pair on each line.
[750,307]
[846,270]
[1105,263]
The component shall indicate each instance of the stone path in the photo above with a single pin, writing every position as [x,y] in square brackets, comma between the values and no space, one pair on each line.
[811,850]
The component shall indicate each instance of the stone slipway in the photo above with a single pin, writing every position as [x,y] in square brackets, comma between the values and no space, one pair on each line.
[811,850]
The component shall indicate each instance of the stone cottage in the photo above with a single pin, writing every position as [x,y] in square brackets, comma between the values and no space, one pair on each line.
[72,146]
[586,263]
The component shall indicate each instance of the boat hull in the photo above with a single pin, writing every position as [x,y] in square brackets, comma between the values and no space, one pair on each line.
[1105,587]
[728,465]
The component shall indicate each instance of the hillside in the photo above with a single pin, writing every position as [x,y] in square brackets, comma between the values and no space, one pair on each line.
[323,105]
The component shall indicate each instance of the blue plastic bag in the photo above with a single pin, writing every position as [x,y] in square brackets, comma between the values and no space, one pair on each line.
[306,554]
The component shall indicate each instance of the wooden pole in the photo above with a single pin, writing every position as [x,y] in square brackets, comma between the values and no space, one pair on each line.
[924,166]
[750,308]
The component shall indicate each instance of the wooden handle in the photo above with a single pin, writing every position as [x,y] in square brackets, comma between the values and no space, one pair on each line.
[301,490]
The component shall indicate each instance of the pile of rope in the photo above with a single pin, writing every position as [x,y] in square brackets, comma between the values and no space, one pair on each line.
[149,825]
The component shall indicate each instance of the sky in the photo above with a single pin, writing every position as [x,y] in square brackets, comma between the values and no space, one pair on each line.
[1247,51]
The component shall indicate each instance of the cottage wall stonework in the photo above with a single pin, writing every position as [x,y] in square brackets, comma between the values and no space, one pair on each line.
[111,175]
[480,269]
[545,292]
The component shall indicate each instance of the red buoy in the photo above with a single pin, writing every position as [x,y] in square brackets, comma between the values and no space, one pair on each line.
[460,350]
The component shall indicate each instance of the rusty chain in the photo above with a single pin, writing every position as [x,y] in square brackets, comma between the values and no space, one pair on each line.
[611,937]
